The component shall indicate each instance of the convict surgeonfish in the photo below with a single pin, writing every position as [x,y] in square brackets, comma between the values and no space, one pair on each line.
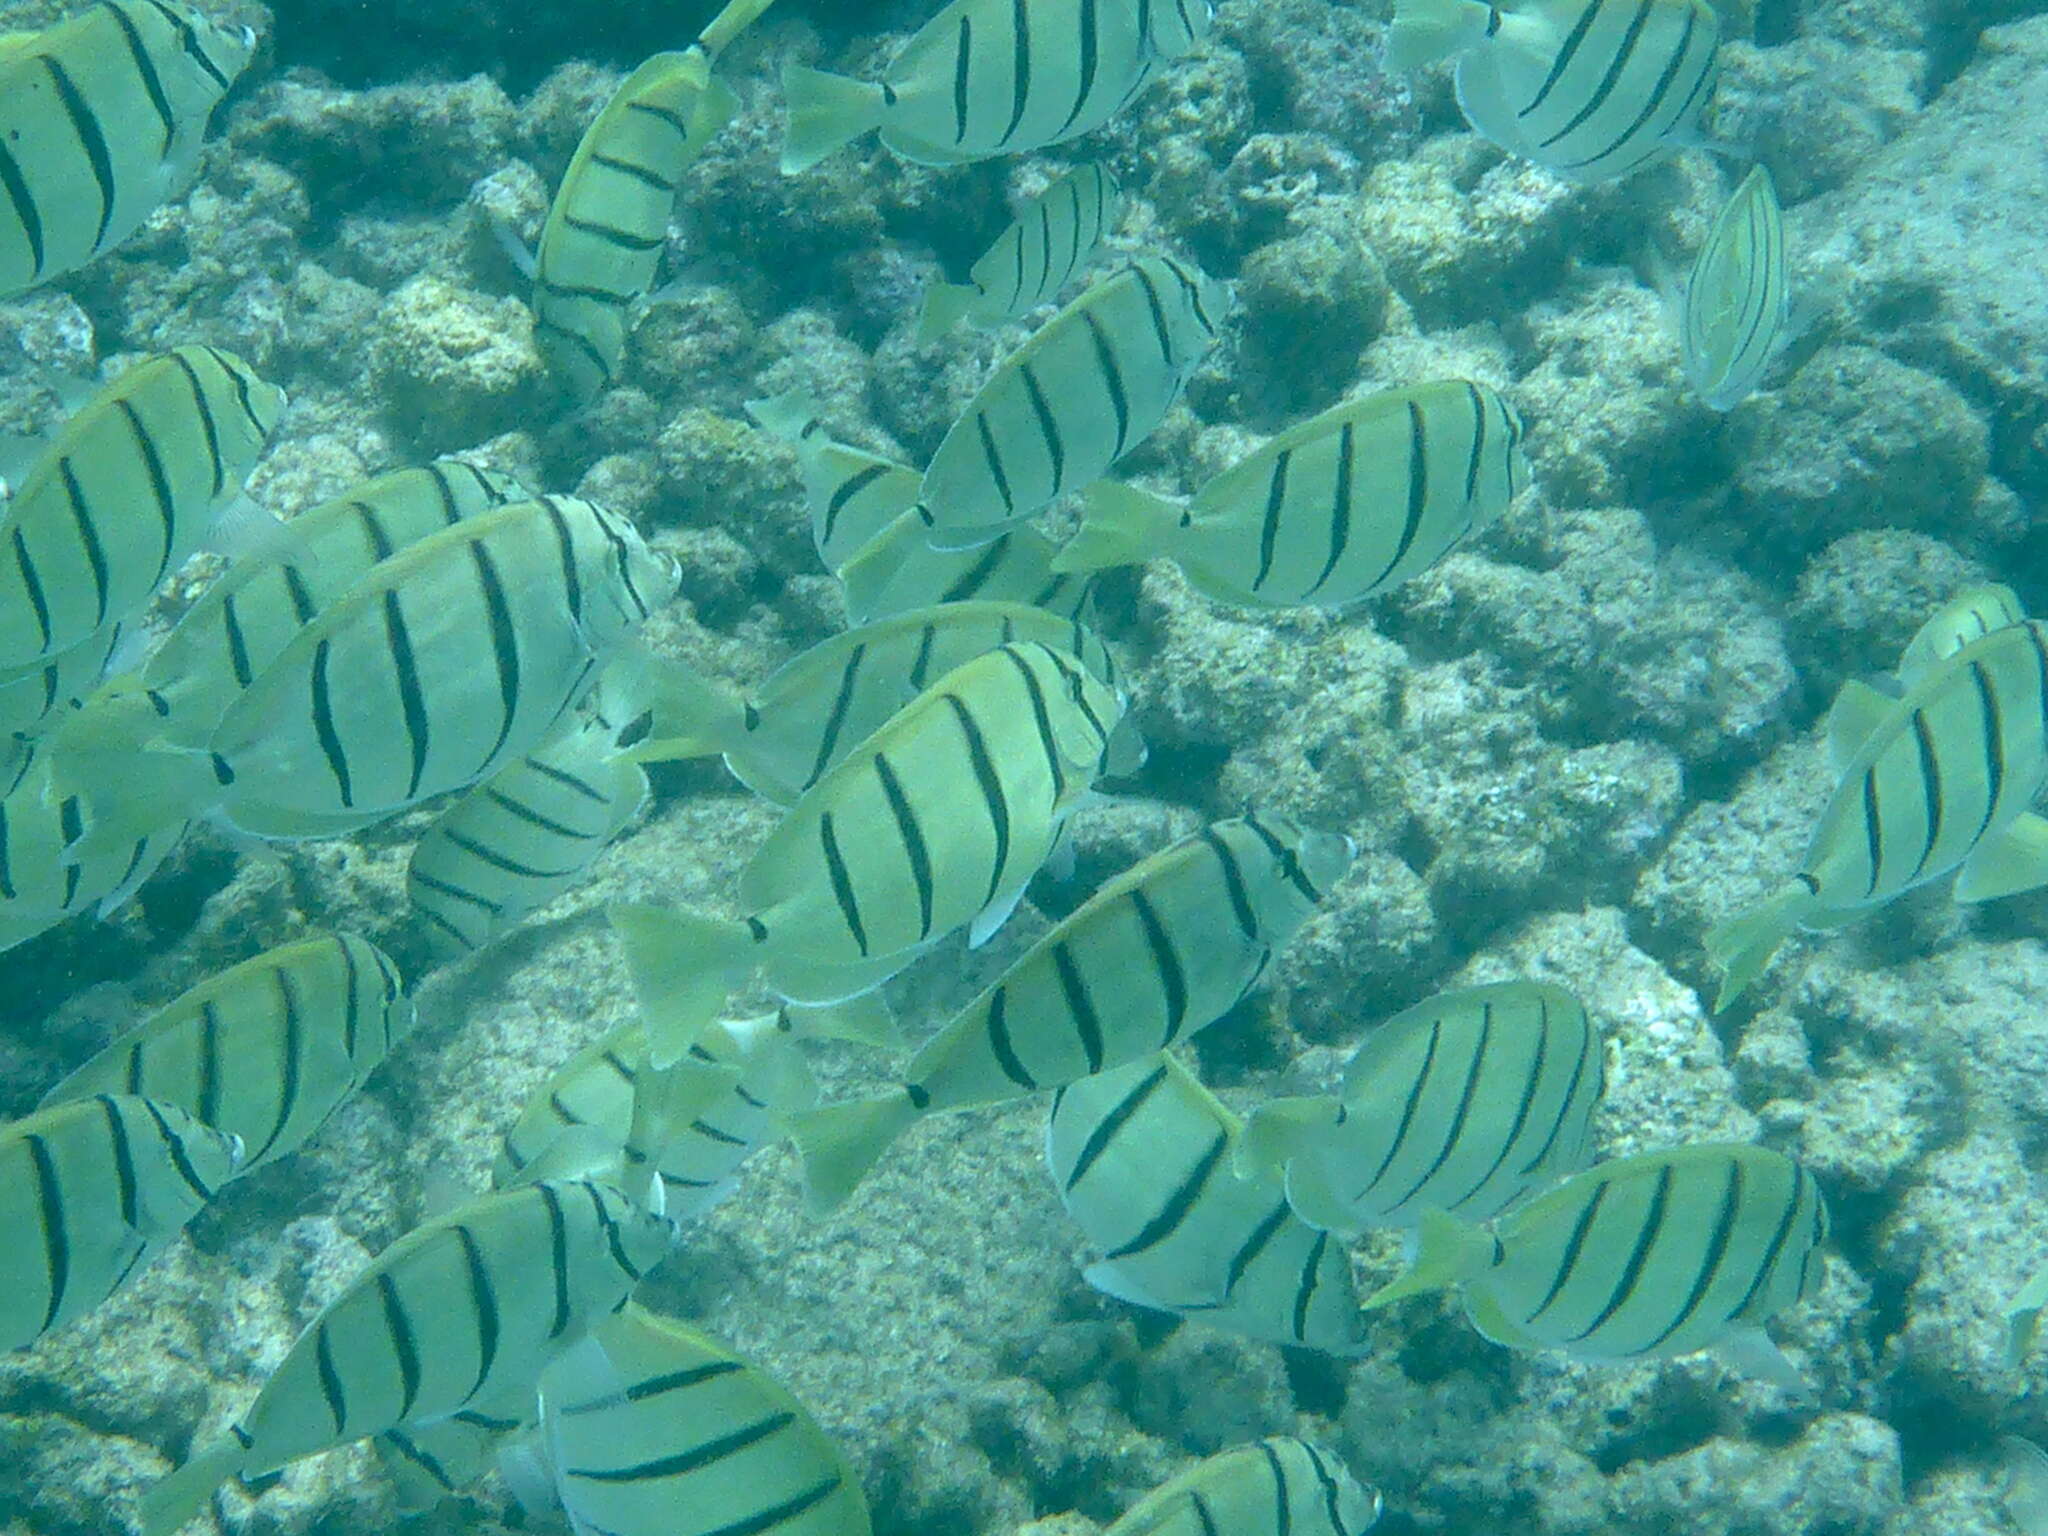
[1642,1258]
[800,723]
[33,697]
[453,657]
[1737,311]
[853,494]
[1141,1157]
[40,886]
[1589,89]
[650,1428]
[127,489]
[267,1049]
[1092,383]
[1165,949]
[101,120]
[1934,782]
[1465,1103]
[1049,244]
[935,822]
[1276,1487]
[1349,503]
[89,1193]
[1967,617]
[460,1314]
[994,77]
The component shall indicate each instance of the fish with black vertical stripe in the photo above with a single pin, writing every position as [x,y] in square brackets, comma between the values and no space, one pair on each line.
[1968,616]
[1466,1103]
[90,1191]
[267,1049]
[650,1428]
[1642,1258]
[129,487]
[994,77]
[802,721]
[1089,385]
[1589,89]
[1935,782]
[460,1315]
[40,884]
[1736,315]
[1349,503]
[1142,1158]
[101,122]
[1044,249]
[1165,949]
[1281,1486]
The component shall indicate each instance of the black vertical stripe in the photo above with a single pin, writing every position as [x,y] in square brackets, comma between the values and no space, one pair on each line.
[504,646]
[1710,1260]
[1418,491]
[921,664]
[1161,331]
[1000,1045]
[1106,1129]
[85,124]
[56,1233]
[208,427]
[330,1378]
[88,537]
[1873,829]
[1091,44]
[1472,465]
[912,838]
[993,457]
[835,722]
[1456,1129]
[1639,1254]
[845,491]
[1283,1507]
[1249,1250]
[1656,97]
[1112,381]
[152,82]
[174,1147]
[1179,1204]
[1994,745]
[572,582]
[1020,67]
[558,1255]
[207,1108]
[351,999]
[405,1348]
[1574,40]
[842,884]
[1617,65]
[412,702]
[1269,528]
[127,1193]
[159,484]
[238,643]
[1574,1245]
[71,823]
[483,1304]
[291,1060]
[1340,500]
[992,796]
[1930,789]
[1204,1516]
[1042,719]
[1234,885]
[962,70]
[303,605]
[25,211]
[1048,427]
[32,584]
[1166,964]
[1416,1092]
[323,727]
[1080,1005]
[1768,1260]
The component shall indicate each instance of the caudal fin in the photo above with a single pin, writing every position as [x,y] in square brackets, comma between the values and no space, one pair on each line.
[693,715]
[788,415]
[129,783]
[825,112]
[841,1142]
[1743,945]
[945,306]
[177,1499]
[1424,31]
[1120,525]
[1447,1252]
[682,964]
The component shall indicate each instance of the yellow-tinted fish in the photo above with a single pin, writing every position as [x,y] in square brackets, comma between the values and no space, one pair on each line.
[101,119]
[1465,1103]
[1967,617]
[1052,240]
[1276,1487]
[267,1049]
[40,886]
[1935,782]
[462,1313]
[1349,503]
[993,77]
[650,1428]
[1641,1258]
[124,493]
[937,821]
[1590,89]
[804,720]
[853,494]
[89,1192]
[1092,383]
[1738,301]
[1141,1157]
[1165,949]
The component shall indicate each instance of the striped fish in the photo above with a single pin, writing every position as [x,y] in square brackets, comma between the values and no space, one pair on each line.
[1275,1487]
[812,712]
[266,1050]
[1141,1158]
[89,1193]
[32,697]
[1738,302]
[1049,244]
[1092,383]
[124,493]
[853,495]
[650,1428]
[101,120]
[459,1315]
[1165,949]
[1935,782]
[524,836]
[938,821]
[1642,1258]
[1589,89]
[244,621]
[1969,616]
[1349,503]
[994,77]
[1465,1103]
[40,886]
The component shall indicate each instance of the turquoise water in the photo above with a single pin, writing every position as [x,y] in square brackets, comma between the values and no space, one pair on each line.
[1562,751]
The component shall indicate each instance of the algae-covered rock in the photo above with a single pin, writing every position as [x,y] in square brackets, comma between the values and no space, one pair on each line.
[456,366]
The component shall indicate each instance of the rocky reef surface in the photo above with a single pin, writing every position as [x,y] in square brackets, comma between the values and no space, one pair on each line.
[1563,752]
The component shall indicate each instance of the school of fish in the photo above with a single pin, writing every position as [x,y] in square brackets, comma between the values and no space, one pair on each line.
[441,635]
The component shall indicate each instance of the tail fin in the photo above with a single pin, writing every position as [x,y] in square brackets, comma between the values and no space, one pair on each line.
[1120,525]
[841,1142]
[682,964]
[1743,945]
[788,415]
[112,756]
[176,1500]
[1424,31]
[1275,1133]
[862,1020]
[825,112]
[694,715]
[1447,1253]
[945,306]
